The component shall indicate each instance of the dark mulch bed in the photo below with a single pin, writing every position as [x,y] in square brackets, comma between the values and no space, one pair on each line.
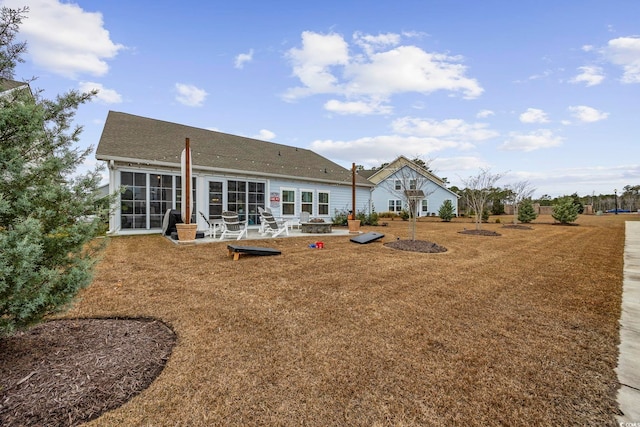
[518,227]
[480,232]
[416,246]
[67,372]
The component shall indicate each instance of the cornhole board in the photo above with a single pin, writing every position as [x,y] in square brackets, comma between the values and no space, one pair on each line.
[372,236]
[236,251]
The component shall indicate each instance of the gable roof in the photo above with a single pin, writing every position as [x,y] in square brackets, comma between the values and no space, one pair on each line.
[6,84]
[131,138]
[381,174]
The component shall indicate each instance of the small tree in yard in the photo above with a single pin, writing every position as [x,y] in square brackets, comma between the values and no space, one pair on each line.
[518,192]
[46,226]
[478,190]
[446,212]
[565,211]
[527,213]
[409,186]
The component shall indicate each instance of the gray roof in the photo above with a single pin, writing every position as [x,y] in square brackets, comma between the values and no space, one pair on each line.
[6,84]
[131,138]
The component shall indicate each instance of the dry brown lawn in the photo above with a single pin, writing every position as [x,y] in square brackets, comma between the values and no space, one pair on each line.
[510,330]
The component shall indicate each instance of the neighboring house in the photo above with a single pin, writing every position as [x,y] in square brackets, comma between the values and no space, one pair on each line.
[9,86]
[229,173]
[401,181]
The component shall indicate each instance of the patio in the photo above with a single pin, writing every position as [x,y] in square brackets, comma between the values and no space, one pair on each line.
[254,234]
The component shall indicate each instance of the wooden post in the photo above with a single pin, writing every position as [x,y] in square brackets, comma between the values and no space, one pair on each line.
[187,197]
[353,190]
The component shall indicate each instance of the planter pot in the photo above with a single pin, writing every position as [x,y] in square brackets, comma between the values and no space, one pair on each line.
[186,232]
[354,225]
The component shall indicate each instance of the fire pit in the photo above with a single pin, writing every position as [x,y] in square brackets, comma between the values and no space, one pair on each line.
[316,227]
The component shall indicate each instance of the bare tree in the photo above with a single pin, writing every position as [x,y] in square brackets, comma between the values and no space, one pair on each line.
[518,192]
[477,192]
[409,183]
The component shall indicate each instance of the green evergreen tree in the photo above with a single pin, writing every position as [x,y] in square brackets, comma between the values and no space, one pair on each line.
[446,212]
[565,210]
[526,212]
[47,226]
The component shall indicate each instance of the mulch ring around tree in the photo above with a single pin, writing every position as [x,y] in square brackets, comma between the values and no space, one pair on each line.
[67,372]
[422,246]
[480,232]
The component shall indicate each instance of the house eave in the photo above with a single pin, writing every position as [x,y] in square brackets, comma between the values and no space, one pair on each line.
[157,163]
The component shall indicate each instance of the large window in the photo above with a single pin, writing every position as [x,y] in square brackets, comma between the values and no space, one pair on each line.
[215,200]
[395,205]
[133,206]
[323,203]
[237,198]
[256,199]
[245,197]
[160,198]
[306,197]
[288,201]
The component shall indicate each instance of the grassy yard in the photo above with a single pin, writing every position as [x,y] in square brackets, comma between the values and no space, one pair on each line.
[510,330]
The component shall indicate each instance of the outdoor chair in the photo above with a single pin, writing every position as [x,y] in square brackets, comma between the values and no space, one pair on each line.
[271,226]
[297,222]
[233,227]
[213,227]
[262,211]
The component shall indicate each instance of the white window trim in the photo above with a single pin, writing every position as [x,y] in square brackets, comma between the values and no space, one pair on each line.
[314,200]
[328,193]
[282,203]
[395,205]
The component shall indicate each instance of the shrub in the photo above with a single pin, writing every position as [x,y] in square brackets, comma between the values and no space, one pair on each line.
[446,211]
[340,217]
[526,212]
[404,214]
[565,211]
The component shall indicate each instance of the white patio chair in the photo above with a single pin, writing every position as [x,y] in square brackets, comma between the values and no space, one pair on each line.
[273,227]
[233,227]
[297,222]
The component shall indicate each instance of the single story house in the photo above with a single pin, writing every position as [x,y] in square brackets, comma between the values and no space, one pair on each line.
[229,173]
[402,183]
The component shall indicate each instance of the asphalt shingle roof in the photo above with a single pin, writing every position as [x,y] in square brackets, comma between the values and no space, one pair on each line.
[128,137]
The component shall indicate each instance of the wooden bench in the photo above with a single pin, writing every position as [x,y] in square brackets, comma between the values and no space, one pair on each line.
[236,251]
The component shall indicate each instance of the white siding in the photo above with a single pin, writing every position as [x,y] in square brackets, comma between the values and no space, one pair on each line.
[435,195]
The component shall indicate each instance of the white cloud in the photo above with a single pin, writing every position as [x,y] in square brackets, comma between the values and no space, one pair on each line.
[357,107]
[587,48]
[243,58]
[265,135]
[65,39]
[591,75]
[325,65]
[534,115]
[450,129]
[312,63]
[108,96]
[587,114]
[371,43]
[411,137]
[378,149]
[190,95]
[625,51]
[542,138]
[483,114]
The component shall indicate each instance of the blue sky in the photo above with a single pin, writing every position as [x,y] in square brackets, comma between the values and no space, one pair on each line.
[537,90]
